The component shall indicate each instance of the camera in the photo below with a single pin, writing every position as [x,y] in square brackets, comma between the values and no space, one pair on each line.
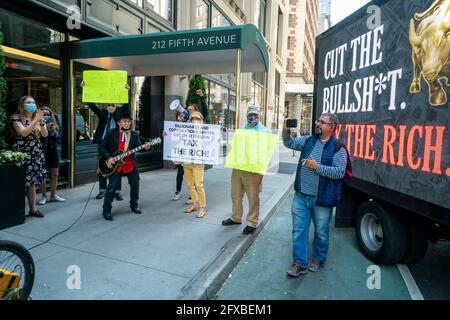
[291,123]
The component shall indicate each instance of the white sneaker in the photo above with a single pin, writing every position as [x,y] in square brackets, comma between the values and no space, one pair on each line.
[42,201]
[177,196]
[57,198]
[189,201]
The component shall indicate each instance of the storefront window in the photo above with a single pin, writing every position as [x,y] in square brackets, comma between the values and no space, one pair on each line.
[201,14]
[33,58]
[162,7]
[218,19]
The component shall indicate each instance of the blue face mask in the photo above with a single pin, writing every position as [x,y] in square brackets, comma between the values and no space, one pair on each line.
[30,107]
[252,120]
[47,119]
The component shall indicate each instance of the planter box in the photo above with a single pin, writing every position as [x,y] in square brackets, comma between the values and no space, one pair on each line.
[12,196]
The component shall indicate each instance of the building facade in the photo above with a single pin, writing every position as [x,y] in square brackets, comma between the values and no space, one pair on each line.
[37,37]
[304,26]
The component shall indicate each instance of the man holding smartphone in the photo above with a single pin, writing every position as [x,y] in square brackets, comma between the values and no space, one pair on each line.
[318,188]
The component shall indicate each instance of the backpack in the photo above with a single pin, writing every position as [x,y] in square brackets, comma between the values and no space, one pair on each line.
[348,169]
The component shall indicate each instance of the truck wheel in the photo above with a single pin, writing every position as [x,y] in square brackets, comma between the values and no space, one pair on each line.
[416,242]
[381,235]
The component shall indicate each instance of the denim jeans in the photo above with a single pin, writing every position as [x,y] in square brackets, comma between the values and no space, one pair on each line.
[114,184]
[304,210]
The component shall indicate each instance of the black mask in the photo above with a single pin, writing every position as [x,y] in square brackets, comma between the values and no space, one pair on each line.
[123,129]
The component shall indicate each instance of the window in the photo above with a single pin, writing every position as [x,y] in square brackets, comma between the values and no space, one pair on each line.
[162,7]
[202,16]
[276,113]
[279,31]
[208,16]
[261,11]
[218,19]
[139,3]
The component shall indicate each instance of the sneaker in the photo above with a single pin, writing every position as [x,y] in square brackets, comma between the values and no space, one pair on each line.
[100,195]
[295,270]
[177,196]
[201,213]
[57,198]
[189,201]
[118,196]
[43,201]
[314,266]
[192,208]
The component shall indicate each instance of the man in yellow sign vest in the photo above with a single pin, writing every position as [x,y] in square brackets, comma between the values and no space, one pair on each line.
[246,182]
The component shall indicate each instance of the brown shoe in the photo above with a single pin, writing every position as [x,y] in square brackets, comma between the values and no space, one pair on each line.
[201,213]
[193,207]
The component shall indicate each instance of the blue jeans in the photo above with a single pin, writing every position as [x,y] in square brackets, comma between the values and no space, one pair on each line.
[303,210]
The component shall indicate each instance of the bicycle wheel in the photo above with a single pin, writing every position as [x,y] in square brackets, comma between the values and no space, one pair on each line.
[16,271]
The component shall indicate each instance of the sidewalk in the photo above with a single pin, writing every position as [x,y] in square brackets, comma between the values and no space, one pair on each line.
[161,254]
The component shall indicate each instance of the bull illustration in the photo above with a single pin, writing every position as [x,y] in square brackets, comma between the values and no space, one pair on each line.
[431,50]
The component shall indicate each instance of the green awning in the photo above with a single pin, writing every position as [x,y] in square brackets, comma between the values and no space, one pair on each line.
[204,51]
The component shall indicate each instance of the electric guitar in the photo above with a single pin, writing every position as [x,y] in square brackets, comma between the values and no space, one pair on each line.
[119,156]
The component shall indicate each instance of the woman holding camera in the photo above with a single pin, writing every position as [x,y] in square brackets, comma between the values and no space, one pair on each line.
[29,127]
[51,157]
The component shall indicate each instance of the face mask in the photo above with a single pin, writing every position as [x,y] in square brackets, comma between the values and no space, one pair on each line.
[47,119]
[111,109]
[30,107]
[252,120]
[123,129]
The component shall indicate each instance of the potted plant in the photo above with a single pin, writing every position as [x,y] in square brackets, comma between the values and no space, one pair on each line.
[12,188]
[12,169]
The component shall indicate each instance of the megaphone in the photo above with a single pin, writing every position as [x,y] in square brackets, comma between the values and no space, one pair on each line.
[175,105]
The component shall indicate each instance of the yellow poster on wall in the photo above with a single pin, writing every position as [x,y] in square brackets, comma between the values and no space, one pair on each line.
[251,151]
[105,86]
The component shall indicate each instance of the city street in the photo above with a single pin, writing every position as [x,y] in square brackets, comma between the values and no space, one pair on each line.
[261,272]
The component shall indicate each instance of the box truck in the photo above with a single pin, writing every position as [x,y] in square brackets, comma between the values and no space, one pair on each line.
[385,72]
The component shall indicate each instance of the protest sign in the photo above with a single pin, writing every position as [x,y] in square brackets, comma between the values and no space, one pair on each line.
[251,151]
[192,143]
[105,86]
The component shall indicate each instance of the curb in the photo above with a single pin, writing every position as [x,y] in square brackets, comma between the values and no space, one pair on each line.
[210,278]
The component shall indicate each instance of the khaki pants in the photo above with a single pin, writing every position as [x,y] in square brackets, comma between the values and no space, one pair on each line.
[193,175]
[250,184]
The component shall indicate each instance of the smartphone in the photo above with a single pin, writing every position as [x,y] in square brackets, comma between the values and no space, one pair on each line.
[291,123]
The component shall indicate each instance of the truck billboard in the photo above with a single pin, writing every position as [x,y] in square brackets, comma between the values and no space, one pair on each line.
[386,73]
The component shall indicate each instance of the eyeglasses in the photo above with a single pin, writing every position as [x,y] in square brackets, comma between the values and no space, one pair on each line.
[322,122]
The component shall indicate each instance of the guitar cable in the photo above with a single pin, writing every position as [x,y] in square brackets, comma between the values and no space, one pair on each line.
[68,228]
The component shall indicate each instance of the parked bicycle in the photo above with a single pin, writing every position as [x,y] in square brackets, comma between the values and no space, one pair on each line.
[16,271]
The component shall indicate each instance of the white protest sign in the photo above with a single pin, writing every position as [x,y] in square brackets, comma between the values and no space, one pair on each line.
[192,143]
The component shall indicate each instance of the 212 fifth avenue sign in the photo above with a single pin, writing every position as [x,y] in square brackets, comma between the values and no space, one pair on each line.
[202,42]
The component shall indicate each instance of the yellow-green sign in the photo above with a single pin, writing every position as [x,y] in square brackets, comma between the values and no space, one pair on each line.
[105,86]
[251,151]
